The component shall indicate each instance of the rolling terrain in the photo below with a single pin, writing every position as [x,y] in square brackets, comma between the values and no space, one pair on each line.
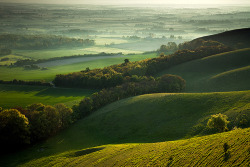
[143,119]
[223,72]
[199,151]
[19,73]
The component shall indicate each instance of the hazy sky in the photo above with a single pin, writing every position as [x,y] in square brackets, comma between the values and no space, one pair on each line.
[132,1]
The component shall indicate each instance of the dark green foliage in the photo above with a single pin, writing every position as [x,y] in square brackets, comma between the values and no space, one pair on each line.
[118,74]
[166,83]
[14,41]
[22,126]
[226,147]
[218,121]
[21,82]
[14,129]
[171,83]
[31,67]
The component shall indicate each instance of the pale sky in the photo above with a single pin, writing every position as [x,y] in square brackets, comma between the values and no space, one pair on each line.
[131,1]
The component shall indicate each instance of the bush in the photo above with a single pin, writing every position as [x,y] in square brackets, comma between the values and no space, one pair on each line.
[14,128]
[218,121]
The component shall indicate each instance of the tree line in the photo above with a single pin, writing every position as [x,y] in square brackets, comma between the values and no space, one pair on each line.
[24,62]
[14,41]
[20,127]
[122,73]
[165,83]
[22,82]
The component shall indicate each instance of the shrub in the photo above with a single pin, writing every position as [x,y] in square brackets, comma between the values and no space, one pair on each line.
[14,128]
[218,121]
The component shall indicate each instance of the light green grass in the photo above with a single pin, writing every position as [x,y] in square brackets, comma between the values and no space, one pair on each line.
[50,53]
[17,95]
[48,75]
[140,119]
[223,72]
[200,151]
[12,59]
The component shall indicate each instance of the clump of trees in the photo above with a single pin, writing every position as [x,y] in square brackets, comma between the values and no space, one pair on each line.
[22,126]
[14,41]
[118,74]
[166,83]
[22,82]
[218,122]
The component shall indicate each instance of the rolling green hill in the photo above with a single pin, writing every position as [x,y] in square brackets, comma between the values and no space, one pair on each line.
[200,151]
[146,118]
[222,72]
[238,38]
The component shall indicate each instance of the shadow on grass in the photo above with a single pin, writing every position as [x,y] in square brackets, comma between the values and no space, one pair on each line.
[58,92]
[85,152]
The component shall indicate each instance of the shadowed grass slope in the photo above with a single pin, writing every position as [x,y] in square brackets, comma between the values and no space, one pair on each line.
[140,119]
[222,72]
[23,95]
[199,151]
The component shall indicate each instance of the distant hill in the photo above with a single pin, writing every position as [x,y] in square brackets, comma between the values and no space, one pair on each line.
[200,151]
[228,71]
[239,38]
[146,118]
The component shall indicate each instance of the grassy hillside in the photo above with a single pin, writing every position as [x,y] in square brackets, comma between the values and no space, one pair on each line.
[223,72]
[200,151]
[140,119]
[48,75]
[238,38]
[23,95]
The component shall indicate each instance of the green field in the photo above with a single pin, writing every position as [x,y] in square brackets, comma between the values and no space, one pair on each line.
[22,95]
[223,72]
[142,119]
[200,151]
[48,75]
[61,52]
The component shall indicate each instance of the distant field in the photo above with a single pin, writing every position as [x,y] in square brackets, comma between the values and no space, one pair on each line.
[200,151]
[48,75]
[17,95]
[46,54]
[11,59]
[140,119]
[223,72]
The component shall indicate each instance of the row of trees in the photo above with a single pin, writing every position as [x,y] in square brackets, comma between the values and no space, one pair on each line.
[22,82]
[22,126]
[122,73]
[24,62]
[14,41]
[166,83]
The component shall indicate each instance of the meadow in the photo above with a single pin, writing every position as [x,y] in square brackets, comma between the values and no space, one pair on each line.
[23,95]
[19,73]
[162,129]
[223,72]
[141,119]
[199,151]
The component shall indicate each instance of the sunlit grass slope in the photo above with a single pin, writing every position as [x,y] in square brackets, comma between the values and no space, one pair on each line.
[140,119]
[20,95]
[200,151]
[223,72]
[48,75]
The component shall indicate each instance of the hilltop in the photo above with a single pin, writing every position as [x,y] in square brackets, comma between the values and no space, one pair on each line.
[227,71]
[238,38]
